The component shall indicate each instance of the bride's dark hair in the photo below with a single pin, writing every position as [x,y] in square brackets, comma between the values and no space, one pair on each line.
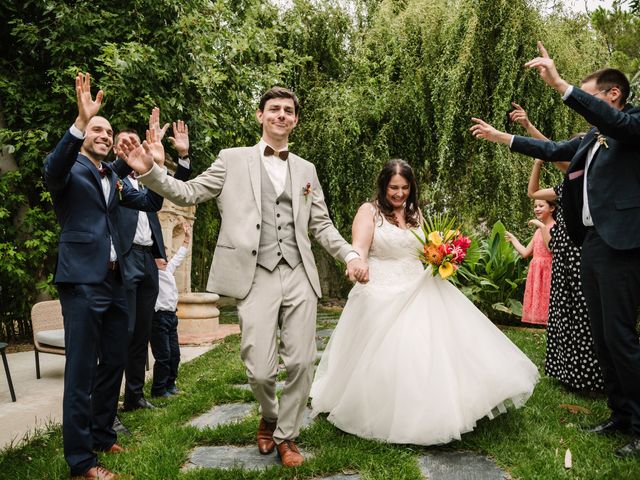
[397,166]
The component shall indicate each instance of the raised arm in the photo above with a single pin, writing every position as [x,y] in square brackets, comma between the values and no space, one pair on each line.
[58,164]
[533,189]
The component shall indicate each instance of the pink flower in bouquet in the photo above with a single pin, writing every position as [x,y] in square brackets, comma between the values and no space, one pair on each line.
[462,242]
[458,254]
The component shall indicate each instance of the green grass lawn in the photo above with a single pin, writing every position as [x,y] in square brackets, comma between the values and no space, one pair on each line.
[529,443]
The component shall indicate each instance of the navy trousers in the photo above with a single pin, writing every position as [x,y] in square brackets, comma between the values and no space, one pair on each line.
[95,330]
[141,278]
[611,283]
[166,351]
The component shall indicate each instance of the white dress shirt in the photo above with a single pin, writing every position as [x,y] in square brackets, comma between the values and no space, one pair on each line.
[167,300]
[106,190]
[587,221]
[143,230]
[276,167]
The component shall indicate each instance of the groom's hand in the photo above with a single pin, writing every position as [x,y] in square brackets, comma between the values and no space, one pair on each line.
[485,131]
[358,270]
[547,69]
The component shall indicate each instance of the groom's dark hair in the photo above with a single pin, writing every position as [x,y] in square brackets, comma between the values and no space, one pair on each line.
[279,92]
[607,78]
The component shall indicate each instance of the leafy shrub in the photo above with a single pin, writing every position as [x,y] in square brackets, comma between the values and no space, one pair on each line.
[493,277]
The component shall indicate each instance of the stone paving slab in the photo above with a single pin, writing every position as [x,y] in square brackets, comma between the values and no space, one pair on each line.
[234,412]
[324,333]
[223,415]
[459,466]
[228,457]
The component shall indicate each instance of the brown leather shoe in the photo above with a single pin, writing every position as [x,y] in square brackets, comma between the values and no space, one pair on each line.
[115,448]
[266,445]
[100,473]
[290,456]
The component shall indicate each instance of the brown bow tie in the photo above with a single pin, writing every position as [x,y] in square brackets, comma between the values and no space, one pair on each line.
[103,171]
[283,154]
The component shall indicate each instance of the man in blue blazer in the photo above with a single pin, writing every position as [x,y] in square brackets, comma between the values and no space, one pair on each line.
[141,240]
[601,201]
[87,197]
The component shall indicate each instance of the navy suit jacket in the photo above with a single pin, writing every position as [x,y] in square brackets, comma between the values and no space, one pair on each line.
[86,220]
[128,218]
[613,179]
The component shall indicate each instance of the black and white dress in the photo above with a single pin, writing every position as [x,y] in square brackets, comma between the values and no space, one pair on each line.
[571,356]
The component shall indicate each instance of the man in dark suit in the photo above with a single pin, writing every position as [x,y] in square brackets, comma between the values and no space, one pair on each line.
[87,198]
[601,201]
[141,241]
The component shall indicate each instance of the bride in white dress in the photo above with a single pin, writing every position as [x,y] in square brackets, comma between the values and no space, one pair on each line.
[412,360]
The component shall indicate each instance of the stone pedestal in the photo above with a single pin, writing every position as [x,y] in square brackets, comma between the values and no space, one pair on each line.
[198,313]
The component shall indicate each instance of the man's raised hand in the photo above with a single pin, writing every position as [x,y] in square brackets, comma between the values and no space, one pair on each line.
[547,69]
[87,106]
[138,157]
[180,139]
[154,124]
[155,146]
[483,130]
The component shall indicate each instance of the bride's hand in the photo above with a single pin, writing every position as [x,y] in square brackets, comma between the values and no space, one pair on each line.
[358,270]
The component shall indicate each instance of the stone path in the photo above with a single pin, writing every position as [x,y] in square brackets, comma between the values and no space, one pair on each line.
[433,465]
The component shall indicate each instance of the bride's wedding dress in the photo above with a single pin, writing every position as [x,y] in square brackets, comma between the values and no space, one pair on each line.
[412,360]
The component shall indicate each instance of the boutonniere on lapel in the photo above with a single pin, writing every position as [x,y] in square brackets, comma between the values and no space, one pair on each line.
[306,190]
[119,186]
[602,140]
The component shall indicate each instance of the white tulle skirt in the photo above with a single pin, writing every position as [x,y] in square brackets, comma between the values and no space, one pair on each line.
[417,363]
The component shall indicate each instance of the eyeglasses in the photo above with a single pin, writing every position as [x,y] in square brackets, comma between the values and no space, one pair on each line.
[602,91]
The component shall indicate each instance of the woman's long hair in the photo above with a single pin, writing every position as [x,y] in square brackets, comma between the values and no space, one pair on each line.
[397,166]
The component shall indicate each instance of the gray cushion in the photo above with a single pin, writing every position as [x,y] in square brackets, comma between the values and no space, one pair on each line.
[53,338]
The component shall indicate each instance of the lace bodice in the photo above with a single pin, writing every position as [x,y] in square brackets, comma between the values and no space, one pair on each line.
[393,256]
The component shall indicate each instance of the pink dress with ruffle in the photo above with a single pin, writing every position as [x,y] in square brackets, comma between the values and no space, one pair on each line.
[535,307]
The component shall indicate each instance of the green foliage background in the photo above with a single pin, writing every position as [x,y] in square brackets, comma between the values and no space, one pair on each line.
[377,79]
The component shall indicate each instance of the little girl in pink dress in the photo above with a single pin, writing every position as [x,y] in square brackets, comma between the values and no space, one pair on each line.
[535,306]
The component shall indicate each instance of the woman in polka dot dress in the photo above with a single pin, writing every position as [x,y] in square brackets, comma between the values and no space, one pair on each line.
[571,357]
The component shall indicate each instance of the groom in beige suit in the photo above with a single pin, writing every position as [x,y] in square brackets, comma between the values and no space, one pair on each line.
[269,200]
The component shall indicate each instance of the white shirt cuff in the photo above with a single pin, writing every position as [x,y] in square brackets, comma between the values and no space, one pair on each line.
[567,92]
[185,162]
[351,256]
[73,130]
[511,141]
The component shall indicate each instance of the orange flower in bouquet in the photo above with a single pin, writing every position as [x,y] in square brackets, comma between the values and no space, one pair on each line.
[444,248]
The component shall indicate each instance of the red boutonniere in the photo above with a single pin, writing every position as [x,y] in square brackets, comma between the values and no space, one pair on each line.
[306,190]
[119,186]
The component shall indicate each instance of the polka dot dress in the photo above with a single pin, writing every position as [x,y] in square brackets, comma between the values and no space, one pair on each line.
[571,357]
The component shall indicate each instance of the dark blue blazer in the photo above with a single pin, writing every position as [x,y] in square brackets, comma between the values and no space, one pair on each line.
[128,218]
[613,179]
[86,220]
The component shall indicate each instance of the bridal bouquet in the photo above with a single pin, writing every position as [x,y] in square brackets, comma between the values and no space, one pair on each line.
[444,247]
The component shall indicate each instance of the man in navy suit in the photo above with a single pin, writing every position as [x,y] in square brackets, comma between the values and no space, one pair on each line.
[87,197]
[601,201]
[141,241]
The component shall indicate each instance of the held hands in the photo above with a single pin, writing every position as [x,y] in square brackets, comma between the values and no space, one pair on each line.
[358,270]
[180,139]
[87,107]
[547,69]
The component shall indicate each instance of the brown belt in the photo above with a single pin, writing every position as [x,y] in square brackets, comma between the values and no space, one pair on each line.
[112,265]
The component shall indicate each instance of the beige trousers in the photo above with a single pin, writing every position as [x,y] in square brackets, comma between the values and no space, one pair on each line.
[282,299]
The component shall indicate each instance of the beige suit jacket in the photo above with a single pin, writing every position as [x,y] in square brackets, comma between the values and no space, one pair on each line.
[234,181]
